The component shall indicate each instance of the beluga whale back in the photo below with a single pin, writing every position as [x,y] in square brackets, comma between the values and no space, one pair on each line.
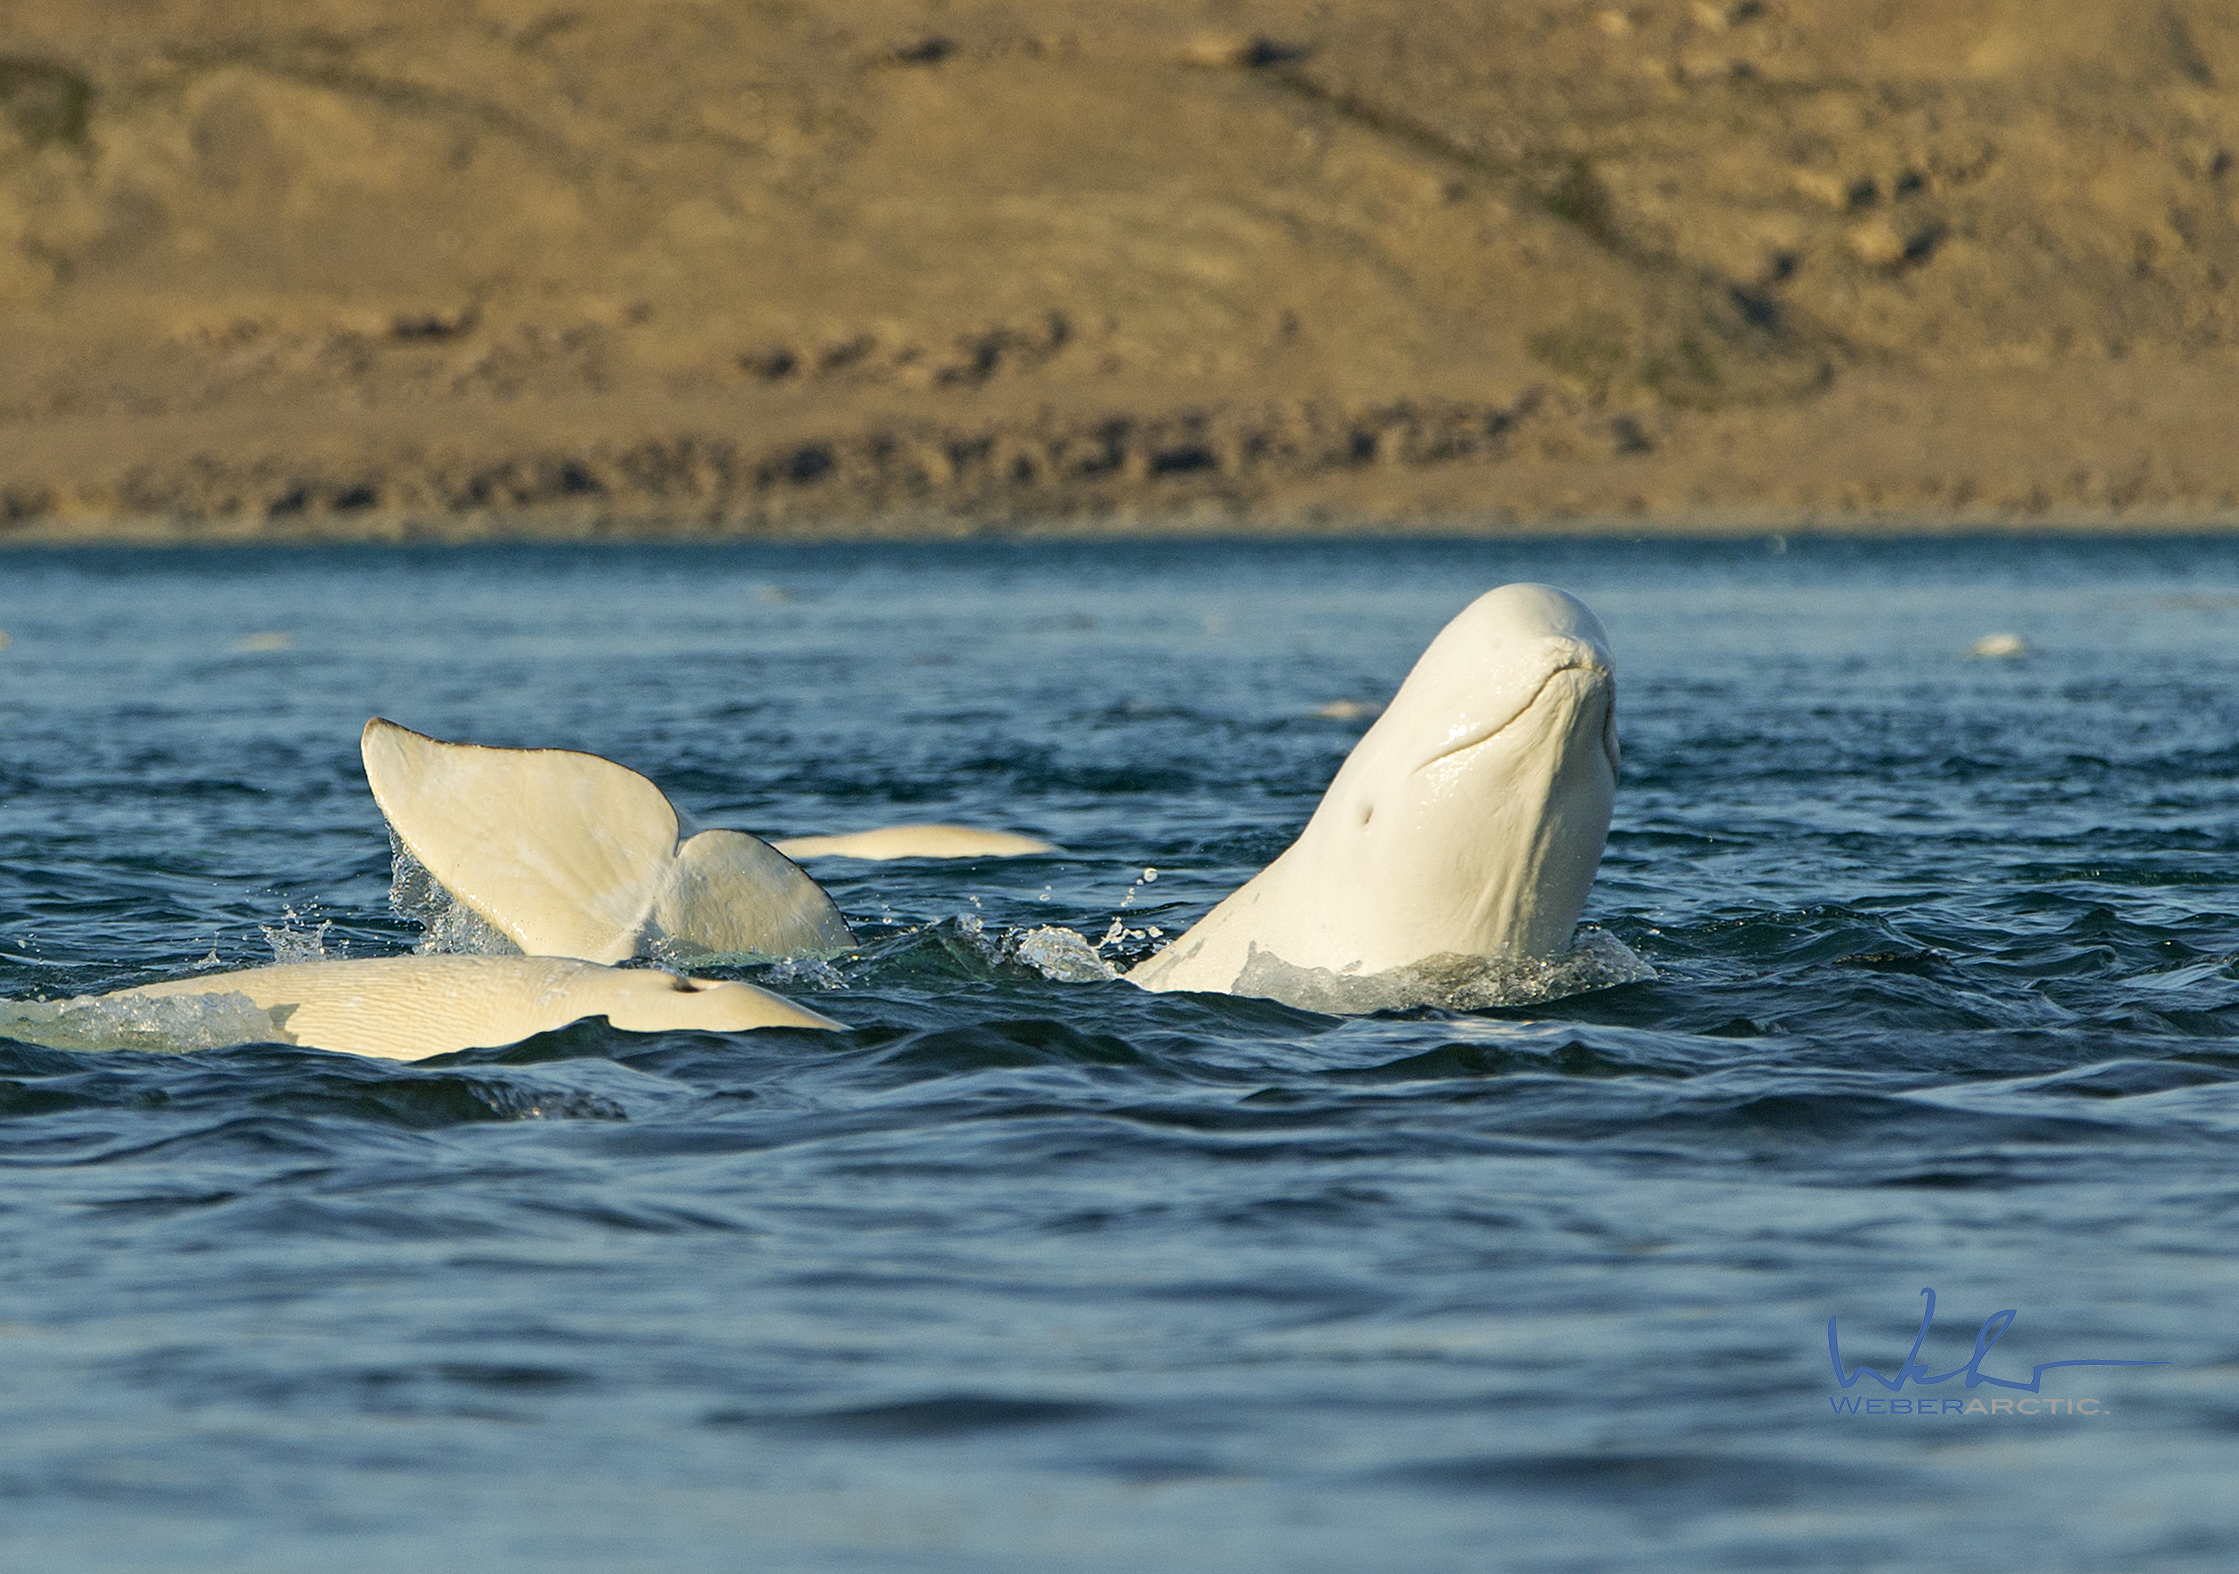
[401,1007]
[915,841]
[1465,825]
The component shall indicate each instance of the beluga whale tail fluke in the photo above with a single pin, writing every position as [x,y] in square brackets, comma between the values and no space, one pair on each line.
[571,855]
[1459,838]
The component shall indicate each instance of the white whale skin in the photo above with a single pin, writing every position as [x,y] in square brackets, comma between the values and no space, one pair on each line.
[569,854]
[1467,822]
[411,1007]
[915,841]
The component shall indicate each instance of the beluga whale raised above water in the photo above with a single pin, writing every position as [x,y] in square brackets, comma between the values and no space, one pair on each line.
[1460,836]
[569,854]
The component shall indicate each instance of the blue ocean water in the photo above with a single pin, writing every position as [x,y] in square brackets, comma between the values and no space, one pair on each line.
[1032,1275]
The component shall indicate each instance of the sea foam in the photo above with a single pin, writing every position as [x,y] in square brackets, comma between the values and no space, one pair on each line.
[1595,960]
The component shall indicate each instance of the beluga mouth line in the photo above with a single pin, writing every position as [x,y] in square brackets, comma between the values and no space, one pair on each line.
[1470,740]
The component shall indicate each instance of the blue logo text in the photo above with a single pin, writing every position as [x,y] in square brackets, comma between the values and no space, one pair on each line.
[1911,1368]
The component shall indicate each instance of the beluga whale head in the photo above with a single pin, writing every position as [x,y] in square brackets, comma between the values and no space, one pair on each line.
[1467,823]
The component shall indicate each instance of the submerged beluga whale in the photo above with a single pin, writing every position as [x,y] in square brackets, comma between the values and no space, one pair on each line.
[1466,825]
[915,841]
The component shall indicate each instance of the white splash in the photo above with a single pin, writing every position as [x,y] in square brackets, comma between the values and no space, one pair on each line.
[804,972]
[177,1023]
[291,944]
[1119,930]
[450,927]
[1060,954]
[1595,960]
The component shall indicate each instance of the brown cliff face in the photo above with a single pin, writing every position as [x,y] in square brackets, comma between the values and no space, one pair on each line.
[338,267]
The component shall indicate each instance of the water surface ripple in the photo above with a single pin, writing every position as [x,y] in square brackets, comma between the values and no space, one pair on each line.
[1032,1275]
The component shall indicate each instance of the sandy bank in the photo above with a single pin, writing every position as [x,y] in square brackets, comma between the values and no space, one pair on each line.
[348,269]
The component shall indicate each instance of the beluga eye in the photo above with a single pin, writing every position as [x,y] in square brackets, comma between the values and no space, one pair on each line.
[1368,812]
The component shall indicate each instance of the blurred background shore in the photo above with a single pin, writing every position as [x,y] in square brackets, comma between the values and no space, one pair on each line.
[356,269]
